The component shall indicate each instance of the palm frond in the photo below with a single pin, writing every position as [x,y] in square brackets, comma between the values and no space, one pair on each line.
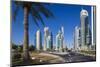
[35,21]
[43,10]
[15,13]
[36,15]
[18,5]
[35,9]
[47,13]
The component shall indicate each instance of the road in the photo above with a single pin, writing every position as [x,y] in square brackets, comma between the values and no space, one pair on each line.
[71,57]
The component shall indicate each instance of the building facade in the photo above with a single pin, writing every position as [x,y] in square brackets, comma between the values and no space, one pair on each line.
[46,33]
[85,30]
[93,12]
[60,40]
[48,39]
[77,38]
[38,40]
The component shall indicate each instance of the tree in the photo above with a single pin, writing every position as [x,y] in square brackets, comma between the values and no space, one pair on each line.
[14,46]
[35,10]
[20,48]
[31,48]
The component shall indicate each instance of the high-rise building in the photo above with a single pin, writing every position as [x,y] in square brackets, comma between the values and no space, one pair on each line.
[38,40]
[48,39]
[77,38]
[88,36]
[57,42]
[93,12]
[60,39]
[46,33]
[94,25]
[51,41]
[84,29]
[35,40]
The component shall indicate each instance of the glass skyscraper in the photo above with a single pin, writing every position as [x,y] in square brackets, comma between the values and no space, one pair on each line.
[48,39]
[77,38]
[46,33]
[60,39]
[85,30]
[93,12]
[38,40]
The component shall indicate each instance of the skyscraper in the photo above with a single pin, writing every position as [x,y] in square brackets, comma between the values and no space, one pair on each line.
[48,39]
[60,39]
[62,35]
[77,38]
[38,40]
[35,40]
[94,25]
[88,36]
[51,41]
[46,33]
[57,42]
[84,29]
[93,12]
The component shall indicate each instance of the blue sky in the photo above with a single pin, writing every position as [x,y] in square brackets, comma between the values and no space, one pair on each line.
[65,15]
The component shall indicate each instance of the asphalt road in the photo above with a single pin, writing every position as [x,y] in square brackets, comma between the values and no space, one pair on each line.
[72,57]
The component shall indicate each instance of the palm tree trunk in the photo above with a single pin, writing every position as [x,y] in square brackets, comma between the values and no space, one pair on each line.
[26,36]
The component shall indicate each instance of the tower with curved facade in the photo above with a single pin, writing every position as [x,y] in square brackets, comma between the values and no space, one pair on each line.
[85,30]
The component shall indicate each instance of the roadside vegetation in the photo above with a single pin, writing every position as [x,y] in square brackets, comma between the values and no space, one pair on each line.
[90,53]
[36,57]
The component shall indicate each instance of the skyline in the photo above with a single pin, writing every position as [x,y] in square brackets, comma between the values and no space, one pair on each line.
[67,18]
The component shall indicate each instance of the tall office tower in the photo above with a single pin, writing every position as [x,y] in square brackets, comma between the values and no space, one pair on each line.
[57,42]
[60,40]
[77,38]
[94,25]
[93,12]
[84,28]
[73,40]
[35,40]
[88,37]
[63,43]
[38,40]
[46,33]
[51,41]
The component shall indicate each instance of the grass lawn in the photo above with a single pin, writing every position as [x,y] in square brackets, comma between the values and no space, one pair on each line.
[89,52]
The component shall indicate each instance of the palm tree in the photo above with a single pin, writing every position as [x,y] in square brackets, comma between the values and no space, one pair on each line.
[35,10]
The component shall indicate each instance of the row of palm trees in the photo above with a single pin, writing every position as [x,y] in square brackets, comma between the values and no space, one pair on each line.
[35,10]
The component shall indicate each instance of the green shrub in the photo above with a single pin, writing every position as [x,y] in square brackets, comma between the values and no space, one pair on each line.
[16,56]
